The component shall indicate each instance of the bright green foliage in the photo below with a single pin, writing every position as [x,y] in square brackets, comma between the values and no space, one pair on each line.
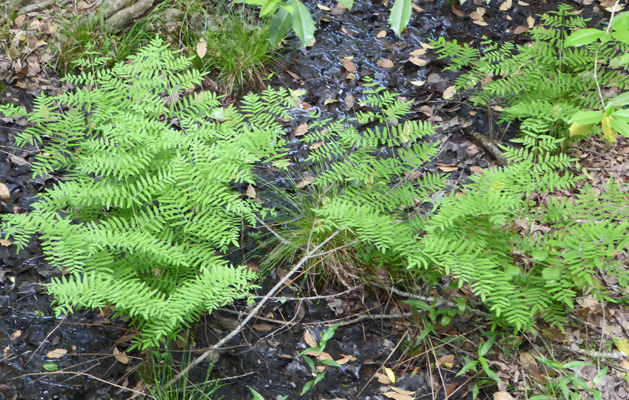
[146,201]
[486,238]
[370,177]
[483,236]
[542,84]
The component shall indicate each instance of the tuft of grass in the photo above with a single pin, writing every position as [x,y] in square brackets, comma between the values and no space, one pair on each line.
[161,367]
[296,230]
[238,54]
[90,39]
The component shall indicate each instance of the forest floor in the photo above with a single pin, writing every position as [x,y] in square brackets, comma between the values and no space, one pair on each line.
[377,341]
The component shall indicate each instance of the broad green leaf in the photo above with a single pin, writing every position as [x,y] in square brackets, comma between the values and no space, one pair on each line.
[319,378]
[621,114]
[347,3]
[621,21]
[329,333]
[310,363]
[307,387]
[575,364]
[256,395]
[308,351]
[620,100]
[578,129]
[622,36]
[491,374]
[460,302]
[484,349]
[599,377]
[302,22]
[551,274]
[469,365]
[400,15]
[619,126]
[279,26]
[608,130]
[330,362]
[619,61]
[50,366]
[421,305]
[586,117]
[268,9]
[540,255]
[512,270]
[584,36]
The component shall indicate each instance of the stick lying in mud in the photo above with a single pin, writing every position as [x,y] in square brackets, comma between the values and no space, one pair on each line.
[212,351]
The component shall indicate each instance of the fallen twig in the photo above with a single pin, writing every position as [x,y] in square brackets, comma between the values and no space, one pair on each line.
[490,147]
[212,350]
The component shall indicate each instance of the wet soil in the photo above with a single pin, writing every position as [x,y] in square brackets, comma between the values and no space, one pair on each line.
[264,357]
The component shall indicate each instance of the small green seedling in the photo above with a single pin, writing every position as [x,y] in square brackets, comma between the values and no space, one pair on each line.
[316,351]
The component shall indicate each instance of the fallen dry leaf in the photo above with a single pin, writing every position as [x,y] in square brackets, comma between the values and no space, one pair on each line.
[322,7]
[381,34]
[449,92]
[5,195]
[458,12]
[294,75]
[447,360]
[301,130]
[392,394]
[447,167]
[506,5]
[201,48]
[418,52]
[316,145]
[390,374]
[418,61]
[5,243]
[349,65]
[349,101]
[306,181]
[503,396]
[329,101]
[57,353]
[385,63]
[263,327]
[418,83]
[345,359]
[15,335]
[339,9]
[520,29]
[120,356]
[251,192]
[382,378]
[309,339]
[530,21]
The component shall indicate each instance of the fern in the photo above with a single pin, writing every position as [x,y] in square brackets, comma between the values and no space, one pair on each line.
[543,83]
[146,200]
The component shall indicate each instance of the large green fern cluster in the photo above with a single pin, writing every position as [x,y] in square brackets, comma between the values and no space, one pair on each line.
[146,200]
[520,246]
[542,83]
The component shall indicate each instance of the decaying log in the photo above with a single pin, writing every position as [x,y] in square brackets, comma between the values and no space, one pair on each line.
[110,7]
[122,17]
